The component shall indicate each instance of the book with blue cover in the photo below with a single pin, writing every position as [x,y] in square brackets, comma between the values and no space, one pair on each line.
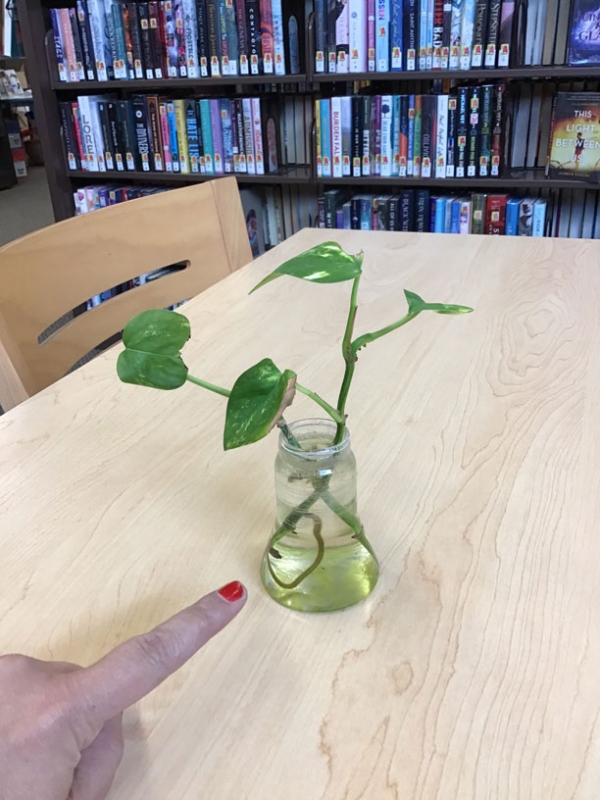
[584,33]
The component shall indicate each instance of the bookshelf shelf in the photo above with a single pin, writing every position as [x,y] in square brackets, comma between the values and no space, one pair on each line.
[83,87]
[515,73]
[290,175]
[528,179]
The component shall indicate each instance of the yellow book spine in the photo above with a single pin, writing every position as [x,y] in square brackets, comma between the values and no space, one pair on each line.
[184,156]
[318,137]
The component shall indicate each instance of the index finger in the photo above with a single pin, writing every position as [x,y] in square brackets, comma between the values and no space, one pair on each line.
[139,665]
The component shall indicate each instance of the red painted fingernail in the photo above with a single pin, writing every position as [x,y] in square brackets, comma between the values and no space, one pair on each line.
[232,592]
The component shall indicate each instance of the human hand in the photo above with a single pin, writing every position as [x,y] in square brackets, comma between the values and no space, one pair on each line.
[60,724]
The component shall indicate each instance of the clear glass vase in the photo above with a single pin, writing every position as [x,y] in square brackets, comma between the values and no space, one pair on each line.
[318,558]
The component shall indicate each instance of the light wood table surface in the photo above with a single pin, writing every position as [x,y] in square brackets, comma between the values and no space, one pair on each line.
[472,670]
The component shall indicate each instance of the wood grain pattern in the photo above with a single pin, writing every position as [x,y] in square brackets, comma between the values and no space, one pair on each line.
[52,271]
[471,671]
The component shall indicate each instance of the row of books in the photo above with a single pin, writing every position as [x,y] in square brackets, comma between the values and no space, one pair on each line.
[426,136]
[211,136]
[408,35]
[109,40]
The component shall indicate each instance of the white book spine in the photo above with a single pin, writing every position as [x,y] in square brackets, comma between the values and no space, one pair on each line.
[96,15]
[539,217]
[87,134]
[465,217]
[466,34]
[346,135]
[249,135]
[98,138]
[455,32]
[382,36]
[278,49]
[442,136]
[429,57]
[190,26]
[259,157]
[358,35]
[336,136]
[342,37]
[422,54]
[387,156]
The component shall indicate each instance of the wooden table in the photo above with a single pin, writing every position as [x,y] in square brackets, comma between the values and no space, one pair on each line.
[472,670]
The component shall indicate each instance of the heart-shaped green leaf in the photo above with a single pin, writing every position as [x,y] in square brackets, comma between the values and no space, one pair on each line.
[153,340]
[325,263]
[258,399]
[151,369]
[157,331]
[416,304]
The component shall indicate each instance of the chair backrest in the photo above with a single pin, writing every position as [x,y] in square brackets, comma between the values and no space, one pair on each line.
[46,274]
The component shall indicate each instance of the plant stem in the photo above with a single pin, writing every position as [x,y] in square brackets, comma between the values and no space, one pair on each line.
[350,359]
[317,526]
[333,413]
[284,428]
[367,338]
[210,386]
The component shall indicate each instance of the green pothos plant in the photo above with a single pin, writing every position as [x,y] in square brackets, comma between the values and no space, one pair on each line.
[258,398]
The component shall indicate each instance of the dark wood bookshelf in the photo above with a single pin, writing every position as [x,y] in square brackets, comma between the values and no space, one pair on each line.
[514,73]
[286,175]
[83,87]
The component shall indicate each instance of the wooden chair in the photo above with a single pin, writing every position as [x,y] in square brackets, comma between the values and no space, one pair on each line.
[48,273]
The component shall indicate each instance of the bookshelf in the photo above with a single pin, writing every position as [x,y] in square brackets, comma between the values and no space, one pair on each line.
[49,91]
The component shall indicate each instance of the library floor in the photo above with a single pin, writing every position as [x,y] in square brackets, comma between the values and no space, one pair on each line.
[25,207]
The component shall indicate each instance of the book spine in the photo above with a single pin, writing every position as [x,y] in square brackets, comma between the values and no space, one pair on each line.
[235,136]
[376,131]
[438,33]
[446,34]
[331,7]
[202,44]
[278,37]
[336,136]
[382,38]
[403,137]
[266,35]
[395,135]
[136,40]
[170,32]
[430,13]
[156,41]
[422,51]
[120,48]
[248,136]
[126,124]
[242,34]
[177,57]
[214,38]
[396,34]
[190,30]
[410,35]
[180,124]
[496,144]
[365,126]
[485,139]
[466,33]
[539,217]
[418,136]
[358,36]
[259,156]
[512,217]
[192,135]
[68,134]
[318,153]
[371,34]
[478,213]
[254,36]
[393,213]
[165,136]
[455,215]
[422,211]
[439,214]
[78,47]
[356,136]
[474,131]
[407,210]
[146,42]
[410,162]
[59,48]
[462,129]
[173,137]
[464,225]
[495,214]
[207,142]
[105,7]
[155,132]
[320,34]
[141,130]
[227,133]
[451,149]
[126,22]
[455,33]
[346,136]
[106,138]
[428,128]
[87,134]
[326,138]
[387,157]
[232,38]
[78,134]
[479,33]
[342,38]
[237,114]
[505,36]
[493,37]
[441,136]
[86,40]
[68,44]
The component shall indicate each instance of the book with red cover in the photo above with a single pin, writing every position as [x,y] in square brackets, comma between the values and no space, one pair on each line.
[495,214]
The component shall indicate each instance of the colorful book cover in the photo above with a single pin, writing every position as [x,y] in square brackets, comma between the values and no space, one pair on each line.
[326,138]
[462,129]
[79,65]
[575,136]
[371,29]
[126,17]
[396,34]
[257,128]
[184,157]
[584,33]
[248,135]
[68,44]
[222,36]
[376,132]
[495,214]
[451,149]
[207,136]
[217,136]
[318,137]
[227,133]
[164,129]
[417,139]
[403,137]
[120,63]
[411,136]
[58,45]
[485,131]
[438,33]
[387,156]
[193,138]
[455,215]
[422,55]
[154,129]
[178,13]
[173,136]
[512,217]
[266,36]
[346,135]
[156,40]
[395,136]
[171,45]
[465,216]
[478,218]
[382,36]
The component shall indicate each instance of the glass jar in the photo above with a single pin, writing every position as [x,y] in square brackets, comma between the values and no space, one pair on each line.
[318,558]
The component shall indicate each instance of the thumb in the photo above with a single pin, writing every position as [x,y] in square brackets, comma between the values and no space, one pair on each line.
[139,665]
